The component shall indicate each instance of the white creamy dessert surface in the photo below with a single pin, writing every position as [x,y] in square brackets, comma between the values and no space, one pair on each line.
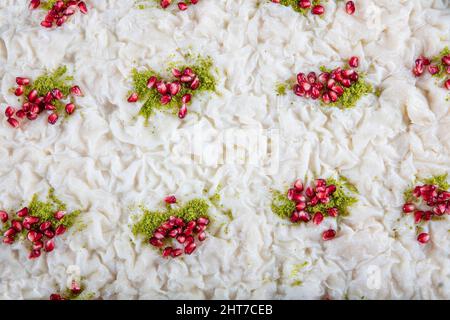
[106,160]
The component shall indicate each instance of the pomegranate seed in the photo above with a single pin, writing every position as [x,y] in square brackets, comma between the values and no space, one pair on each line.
[34,254]
[333,96]
[186,98]
[57,94]
[22,81]
[8,240]
[194,1]
[49,245]
[34,4]
[418,216]
[333,212]
[151,82]
[182,6]
[330,189]
[181,238]
[50,107]
[83,8]
[161,87]
[423,237]
[318,9]
[190,248]
[350,7]
[295,217]
[59,215]
[408,207]
[3,216]
[304,216]
[185,78]
[17,225]
[304,4]
[173,233]
[298,185]
[167,252]
[70,108]
[179,222]
[188,72]
[156,242]
[56,297]
[305,86]
[45,225]
[318,218]
[418,70]
[353,62]
[69,11]
[31,220]
[276,1]
[176,252]
[176,73]
[328,234]
[170,199]
[60,230]
[338,89]
[203,220]
[195,83]
[46,24]
[189,239]
[22,212]
[165,3]
[38,245]
[200,228]
[300,206]
[433,69]
[446,60]
[159,235]
[326,98]
[52,118]
[447,84]
[34,236]
[183,111]
[165,99]
[49,233]
[19,91]
[315,93]
[76,91]
[10,232]
[202,236]
[9,112]
[32,96]
[61,21]
[133,97]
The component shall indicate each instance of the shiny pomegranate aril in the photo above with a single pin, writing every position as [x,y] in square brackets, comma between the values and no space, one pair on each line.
[203,220]
[49,245]
[333,212]
[182,6]
[19,91]
[9,112]
[318,218]
[133,97]
[418,70]
[186,98]
[56,297]
[45,225]
[52,118]
[17,225]
[304,4]
[22,212]
[38,245]
[46,24]
[170,199]
[202,236]
[76,91]
[176,252]
[447,84]
[59,215]
[333,96]
[353,62]
[34,236]
[328,234]
[408,207]
[173,233]
[8,240]
[34,254]
[200,228]
[32,96]
[156,242]
[83,8]
[167,252]
[423,237]
[50,107]
[195,83]
[181,238]
[446,60]
[326,98]
[161,87]
[176,73]
[22,81]
[34,4]
[165,99]
[318,9]
[3,216]
[60,230]
[49,233]
[70,108]
[300,206]
[10,232]
[182,112]
[350,7]
[151,82]
[295,217]
[304,216]
[433,69]
[418,216]
[190,248]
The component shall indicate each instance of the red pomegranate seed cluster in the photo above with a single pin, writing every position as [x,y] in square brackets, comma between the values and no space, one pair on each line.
[40,234]
[318,9]
[307,198]
[168,90]
[60,12]
[435,202]
[182,5]
[329,86]
[423,64]
[184,232]
[33,104]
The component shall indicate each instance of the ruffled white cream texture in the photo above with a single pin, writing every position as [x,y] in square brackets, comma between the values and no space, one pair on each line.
[104,159]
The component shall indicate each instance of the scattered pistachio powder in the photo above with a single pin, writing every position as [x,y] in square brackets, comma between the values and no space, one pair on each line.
[201,66]
[151,220]
[281,89]
[294,5]
[283,207]
[47,5]
[45,211]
